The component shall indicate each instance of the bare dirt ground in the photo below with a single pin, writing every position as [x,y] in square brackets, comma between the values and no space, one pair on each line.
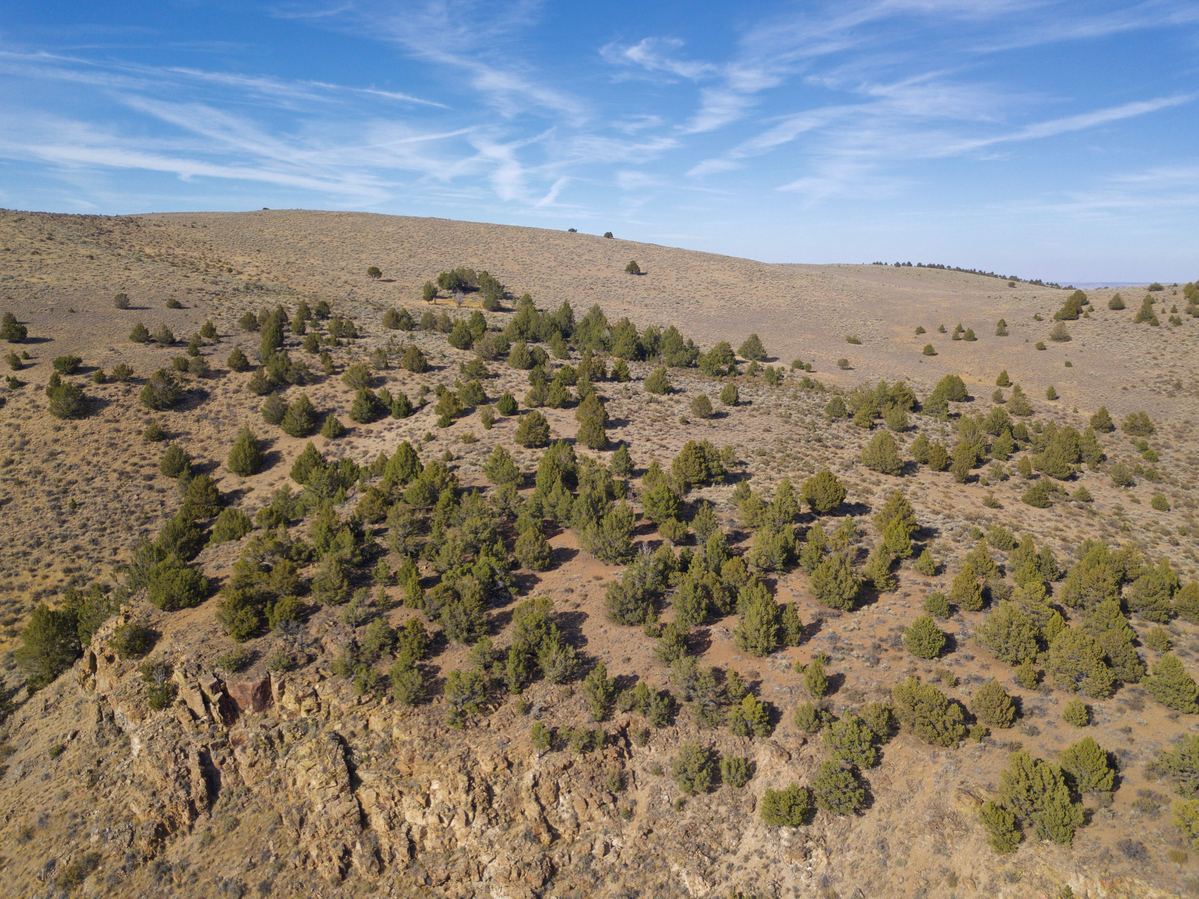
[75,497]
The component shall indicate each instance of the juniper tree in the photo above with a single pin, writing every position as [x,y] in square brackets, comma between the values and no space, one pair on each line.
[788,807]
[533,430]
[926,564]
[752,349]
[1151,595]
[231,524]
[592,418]
[928,712]
[837,789]
[814,678]
[300,419]
[881,454]
[1075,662]
[923,638]
[694,768]
[851,741]
[49,645]
[366,407]
[698,464]
[1138,424]
[500,468]
[174,461]
[1009,633]
[621,463]
[823,492]
[1170,684]
[161,391]
[658,382]
[896,522]
[66,400]
[1186,602]
[245,456]
[531,549]
[758,632]
[749,718]
[610,538]
[1035,791]
[992,705]
[12,330]
[171,585]
[1003,830]
[1088,767]
[414,360]
[600,692]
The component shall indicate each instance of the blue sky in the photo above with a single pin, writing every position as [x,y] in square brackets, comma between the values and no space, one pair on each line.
[1038,137]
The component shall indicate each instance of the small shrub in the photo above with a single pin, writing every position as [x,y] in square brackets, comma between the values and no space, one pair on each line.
[937,605]
[132,641]
[159,689]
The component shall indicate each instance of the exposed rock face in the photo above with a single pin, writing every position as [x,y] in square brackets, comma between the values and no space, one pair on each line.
[292,783]
[251,694]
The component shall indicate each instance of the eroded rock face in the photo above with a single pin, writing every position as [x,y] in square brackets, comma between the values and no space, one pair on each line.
[251,695]
[371,799]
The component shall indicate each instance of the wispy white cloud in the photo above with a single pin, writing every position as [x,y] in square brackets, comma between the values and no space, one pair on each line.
[132,76]
[73,145]
[1067,22]
[493,109]
[1067,124]
[551,196]
[467,39]
[1159,189]
[658,55]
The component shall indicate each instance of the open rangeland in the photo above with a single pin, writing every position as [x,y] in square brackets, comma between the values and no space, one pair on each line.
[320,664]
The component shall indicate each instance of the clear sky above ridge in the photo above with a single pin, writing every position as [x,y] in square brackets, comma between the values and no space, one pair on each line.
[1043,138]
